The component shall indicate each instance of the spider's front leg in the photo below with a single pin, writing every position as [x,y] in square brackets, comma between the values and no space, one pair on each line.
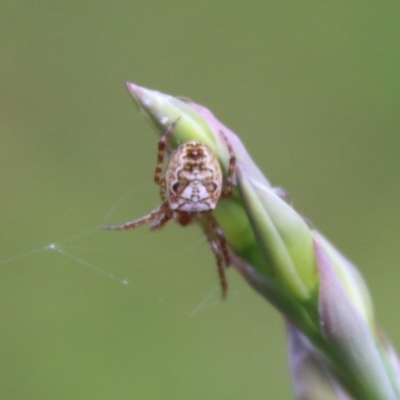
[163,217]
[158,178]
[160,216]
[232,161]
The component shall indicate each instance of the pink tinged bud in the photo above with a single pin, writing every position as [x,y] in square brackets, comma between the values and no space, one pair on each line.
[311,376]
[196,122]
[348,334]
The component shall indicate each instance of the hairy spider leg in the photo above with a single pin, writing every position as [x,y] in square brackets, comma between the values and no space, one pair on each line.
[221,271]
[232,161]
[216,240]
[163,217]
[158,178]
[216,229]
[160,212]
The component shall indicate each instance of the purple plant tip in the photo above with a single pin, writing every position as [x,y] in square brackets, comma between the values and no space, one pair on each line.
[346,331]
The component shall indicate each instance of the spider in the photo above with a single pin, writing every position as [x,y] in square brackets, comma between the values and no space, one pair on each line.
[190,189]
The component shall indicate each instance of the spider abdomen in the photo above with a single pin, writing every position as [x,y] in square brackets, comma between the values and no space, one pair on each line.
[193,179]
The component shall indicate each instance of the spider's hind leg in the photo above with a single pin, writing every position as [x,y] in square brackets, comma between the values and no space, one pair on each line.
[217,242]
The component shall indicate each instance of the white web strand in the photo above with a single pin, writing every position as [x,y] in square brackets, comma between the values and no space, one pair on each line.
[54,246]
[69,251]
[19,256]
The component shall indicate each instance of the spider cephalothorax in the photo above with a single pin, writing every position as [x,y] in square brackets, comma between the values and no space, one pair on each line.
[190,190]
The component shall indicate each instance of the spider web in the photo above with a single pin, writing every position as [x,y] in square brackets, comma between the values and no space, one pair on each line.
[100,252]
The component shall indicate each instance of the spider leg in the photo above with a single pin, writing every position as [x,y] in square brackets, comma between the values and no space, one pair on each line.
[160,155]
[159,213]
[217,242]
[162,192]
[220,267]
[232,161]
[216,230]
[162,219]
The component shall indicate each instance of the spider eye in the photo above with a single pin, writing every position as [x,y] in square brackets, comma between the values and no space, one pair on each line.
[211,187]
[175,187]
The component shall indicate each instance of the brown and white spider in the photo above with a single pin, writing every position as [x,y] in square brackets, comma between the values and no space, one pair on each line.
[190,190]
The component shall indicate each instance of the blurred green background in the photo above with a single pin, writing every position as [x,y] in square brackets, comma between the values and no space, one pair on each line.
[313,90]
